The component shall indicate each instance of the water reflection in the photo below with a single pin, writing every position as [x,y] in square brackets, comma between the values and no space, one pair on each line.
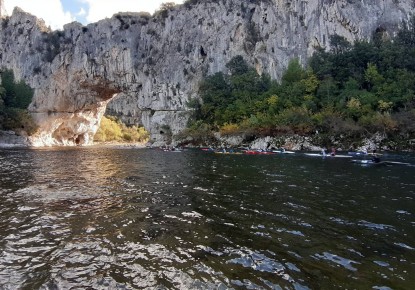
[125,218]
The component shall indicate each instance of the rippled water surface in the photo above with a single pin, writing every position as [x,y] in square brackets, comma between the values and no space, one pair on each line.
[101,218]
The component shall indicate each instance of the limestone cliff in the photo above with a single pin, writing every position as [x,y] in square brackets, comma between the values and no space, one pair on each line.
[146,67]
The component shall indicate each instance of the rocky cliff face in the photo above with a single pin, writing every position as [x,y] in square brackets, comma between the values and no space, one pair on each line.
[147,68]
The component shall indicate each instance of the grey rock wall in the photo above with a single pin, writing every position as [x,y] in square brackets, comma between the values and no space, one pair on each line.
[146,68]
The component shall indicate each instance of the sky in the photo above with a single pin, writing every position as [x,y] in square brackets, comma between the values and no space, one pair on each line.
[57,13]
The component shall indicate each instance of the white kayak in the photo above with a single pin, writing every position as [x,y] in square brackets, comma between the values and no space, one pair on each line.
[371,162]
[283,152]
[368,162]
[327,155]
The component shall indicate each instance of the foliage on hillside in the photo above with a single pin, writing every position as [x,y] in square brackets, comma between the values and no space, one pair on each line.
[112,129]
[15,97]
[350,91]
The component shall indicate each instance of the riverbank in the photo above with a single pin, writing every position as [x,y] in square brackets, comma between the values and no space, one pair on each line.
[314,142]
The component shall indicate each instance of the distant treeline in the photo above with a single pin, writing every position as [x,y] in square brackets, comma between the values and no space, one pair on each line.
[15,98]
[351,91]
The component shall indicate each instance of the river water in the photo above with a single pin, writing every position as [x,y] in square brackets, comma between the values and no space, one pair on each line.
[108,218]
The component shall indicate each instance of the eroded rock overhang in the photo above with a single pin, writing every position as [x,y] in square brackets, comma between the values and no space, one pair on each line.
[74,119]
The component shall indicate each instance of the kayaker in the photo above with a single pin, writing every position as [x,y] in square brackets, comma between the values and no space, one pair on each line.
[333,151]
[375,157]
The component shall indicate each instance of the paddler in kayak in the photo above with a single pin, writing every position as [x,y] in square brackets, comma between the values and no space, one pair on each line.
[375,156]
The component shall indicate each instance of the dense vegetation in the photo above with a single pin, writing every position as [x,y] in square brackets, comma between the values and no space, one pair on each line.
[112,129]
[15,98]
[349,92]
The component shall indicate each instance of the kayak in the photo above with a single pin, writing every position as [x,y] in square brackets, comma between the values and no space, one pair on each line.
[230,153]
[283,152]
[327,155]
[173,150]
[256,152]
[357,153]
[371,162]
[368,162]
[360,153]
[208,149]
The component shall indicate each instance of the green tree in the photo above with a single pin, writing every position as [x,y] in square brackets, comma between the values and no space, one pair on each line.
[16,95]
[14,100]
[237,65]
[24,95]
[327,92]
[8,83]
[294,72]
[215,93]
[320,63]
[372,76]
[339,44]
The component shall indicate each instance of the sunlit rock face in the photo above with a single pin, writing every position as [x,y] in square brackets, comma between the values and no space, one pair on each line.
[153,65]
[68,129]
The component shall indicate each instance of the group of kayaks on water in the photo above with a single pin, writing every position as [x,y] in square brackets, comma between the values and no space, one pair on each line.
[171,149]
[248,151]
[365,158]
[323,153]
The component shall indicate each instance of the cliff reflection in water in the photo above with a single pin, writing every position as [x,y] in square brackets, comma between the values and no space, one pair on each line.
[126,218]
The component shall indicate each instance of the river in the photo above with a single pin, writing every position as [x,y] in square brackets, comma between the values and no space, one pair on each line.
[122,218]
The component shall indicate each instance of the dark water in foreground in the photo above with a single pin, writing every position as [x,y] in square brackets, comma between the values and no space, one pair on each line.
[96,218]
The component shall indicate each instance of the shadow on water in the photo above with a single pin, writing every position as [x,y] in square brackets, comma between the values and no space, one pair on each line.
[122,218]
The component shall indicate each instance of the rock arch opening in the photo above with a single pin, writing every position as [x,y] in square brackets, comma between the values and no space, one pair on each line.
[80,139]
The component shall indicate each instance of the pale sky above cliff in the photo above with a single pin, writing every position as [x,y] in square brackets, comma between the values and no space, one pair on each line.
[56,13]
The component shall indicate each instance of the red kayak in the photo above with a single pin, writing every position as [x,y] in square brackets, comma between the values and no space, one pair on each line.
[258,152]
